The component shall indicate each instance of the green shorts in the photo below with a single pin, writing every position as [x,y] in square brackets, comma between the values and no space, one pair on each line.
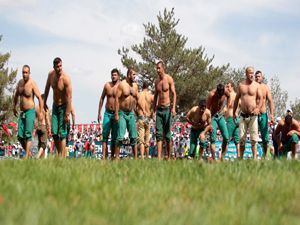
[194,136]
[109,124]
[294,139]
[163,124]
[263,127]
[59,128]
[26,124]
[220,121]
[126,120]
[233,129]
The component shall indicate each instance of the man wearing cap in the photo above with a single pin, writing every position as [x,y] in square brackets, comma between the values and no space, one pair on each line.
[200,119]
[287,135]
[249,98]
[263,116]
[215,103]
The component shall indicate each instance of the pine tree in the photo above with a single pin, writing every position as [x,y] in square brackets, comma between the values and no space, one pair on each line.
[191,68]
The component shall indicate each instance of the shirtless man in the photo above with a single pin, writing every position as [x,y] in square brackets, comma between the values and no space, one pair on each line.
[42,129]
[263,116]
[164,85]
[62,104]
[109,123]
[200,119]
[26,90]
[250,97]
[232,124]
[125,104]
[215,103]
[289,130]
[144,104]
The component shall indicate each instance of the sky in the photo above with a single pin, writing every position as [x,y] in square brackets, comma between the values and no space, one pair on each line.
[87,35]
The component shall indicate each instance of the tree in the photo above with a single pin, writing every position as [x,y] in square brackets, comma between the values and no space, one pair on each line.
[295,107]
[7,86]
[279,96]
[191,68]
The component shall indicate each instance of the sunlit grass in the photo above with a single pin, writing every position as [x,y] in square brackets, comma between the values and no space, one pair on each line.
[149,192]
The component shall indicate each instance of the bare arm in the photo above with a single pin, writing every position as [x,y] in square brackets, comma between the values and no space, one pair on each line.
[101,103]
[209,100]
[118,95]
[46,91]
[16,97]
[277,134]
[271,105]
[174,96]
[155,98]
[73,117]
[208,127]
[36,92]
[259,101]
[236,103]
[48,124]
[188,117]
[68,86]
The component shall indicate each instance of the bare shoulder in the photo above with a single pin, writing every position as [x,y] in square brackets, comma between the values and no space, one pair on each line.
[207,112]
[67,78]
[170,78]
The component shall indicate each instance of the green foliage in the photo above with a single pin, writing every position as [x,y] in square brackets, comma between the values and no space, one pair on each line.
[133,192]
[191,68]
[279,96]
[295,106]
[7,85]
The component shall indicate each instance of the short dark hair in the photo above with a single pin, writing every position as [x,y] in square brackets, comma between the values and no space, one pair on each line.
[115,70]
[202,102]
[56,61]
[27,66]
[145,84]
[257,72]
[130,69]
[220,89]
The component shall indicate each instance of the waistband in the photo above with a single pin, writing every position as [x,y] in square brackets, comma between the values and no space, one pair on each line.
[127,113]
[143,117]
[217,115]
[109,111]
[247,115]
[60,106]
[28,110]
[165,108]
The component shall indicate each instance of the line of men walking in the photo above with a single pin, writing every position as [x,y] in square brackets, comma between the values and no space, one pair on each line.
[233,113]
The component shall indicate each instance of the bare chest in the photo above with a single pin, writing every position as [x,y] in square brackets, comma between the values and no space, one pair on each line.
[58,84]
[163,86]
[249,90]
[25,90]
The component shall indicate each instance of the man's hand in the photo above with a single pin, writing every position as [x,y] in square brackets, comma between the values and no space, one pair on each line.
[116,117]
[173,111]
[272,119]
[256,111]
[67,118]
[290,133]
[99,118]
[45,107]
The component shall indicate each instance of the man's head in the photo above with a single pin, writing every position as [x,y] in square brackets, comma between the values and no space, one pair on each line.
[202,105]
[115,75]
[57,65]
[259,76]
[26,72]
[288,119]
[160,68]
[131,74]
[220,90]
[249,73]
[230,86]
[145,85]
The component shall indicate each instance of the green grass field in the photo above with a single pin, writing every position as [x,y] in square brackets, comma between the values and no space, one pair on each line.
[149,192]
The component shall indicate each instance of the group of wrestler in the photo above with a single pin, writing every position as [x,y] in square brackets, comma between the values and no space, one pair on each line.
[233,112]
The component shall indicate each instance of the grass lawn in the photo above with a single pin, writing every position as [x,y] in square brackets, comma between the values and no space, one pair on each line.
[149,192]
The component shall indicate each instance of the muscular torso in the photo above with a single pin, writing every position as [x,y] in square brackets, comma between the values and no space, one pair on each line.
[110,91]
[163,87]
[26,94]
[264,91]
[199,120]
[230,103]
[58,85]
[217,104]
[144,103]
[128,98]
[248,97]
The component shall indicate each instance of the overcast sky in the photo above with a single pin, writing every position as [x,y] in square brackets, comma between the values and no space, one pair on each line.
[87,34]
